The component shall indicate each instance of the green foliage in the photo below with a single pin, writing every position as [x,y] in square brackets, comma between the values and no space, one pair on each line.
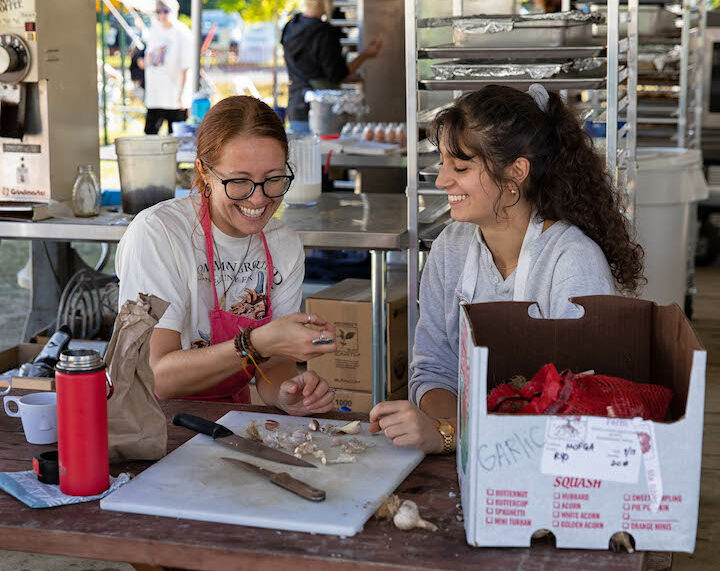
[258,10]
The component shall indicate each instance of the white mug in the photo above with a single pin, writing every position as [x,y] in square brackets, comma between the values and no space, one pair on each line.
[38,412]
[7,378]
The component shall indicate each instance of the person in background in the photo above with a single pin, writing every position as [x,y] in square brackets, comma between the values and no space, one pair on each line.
[166,62]
[314,59]
[231,272]
[537,218]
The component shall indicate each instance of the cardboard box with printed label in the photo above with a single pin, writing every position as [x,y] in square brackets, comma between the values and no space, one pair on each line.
[583,478]
[347,305]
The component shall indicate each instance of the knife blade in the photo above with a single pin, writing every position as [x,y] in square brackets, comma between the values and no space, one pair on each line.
[283,480]
[227,437]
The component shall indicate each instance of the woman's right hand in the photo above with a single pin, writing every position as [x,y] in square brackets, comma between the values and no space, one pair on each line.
[290,337]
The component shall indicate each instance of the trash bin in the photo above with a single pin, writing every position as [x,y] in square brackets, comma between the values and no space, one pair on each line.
[147,168]
[670,182]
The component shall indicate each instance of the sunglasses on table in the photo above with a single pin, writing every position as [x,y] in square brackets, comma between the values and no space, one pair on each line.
[243,188]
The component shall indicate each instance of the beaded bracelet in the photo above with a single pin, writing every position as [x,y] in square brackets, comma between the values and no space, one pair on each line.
[245,347]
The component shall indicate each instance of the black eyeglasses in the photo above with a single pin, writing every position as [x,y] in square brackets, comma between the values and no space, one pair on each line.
[162,11]
[243,188]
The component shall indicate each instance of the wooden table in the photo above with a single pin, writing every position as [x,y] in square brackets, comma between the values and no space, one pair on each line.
[84,530]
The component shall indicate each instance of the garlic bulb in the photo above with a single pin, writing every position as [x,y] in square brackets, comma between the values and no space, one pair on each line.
[408,517]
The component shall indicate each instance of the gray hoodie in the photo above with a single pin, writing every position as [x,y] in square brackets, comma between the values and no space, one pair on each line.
[564,263]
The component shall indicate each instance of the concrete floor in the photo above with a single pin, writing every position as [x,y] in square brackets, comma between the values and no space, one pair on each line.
[706,322]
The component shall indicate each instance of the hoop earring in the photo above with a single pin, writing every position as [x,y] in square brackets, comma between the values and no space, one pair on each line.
[207,191]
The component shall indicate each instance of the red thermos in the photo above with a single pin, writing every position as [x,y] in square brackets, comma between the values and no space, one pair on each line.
[80,383]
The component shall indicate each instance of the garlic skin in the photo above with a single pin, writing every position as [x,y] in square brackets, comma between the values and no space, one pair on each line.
[350,428]
[388,508]
[408,517]
[343,459]
[314,425]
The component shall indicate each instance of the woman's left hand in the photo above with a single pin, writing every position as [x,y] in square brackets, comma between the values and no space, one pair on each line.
[305,394]
[406,425]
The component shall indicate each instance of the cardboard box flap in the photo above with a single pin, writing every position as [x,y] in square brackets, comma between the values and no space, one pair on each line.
[506,328]
[354,290]
[673,344]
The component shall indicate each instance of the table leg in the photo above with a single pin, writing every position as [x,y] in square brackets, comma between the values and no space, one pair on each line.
[51,264]
[378,269]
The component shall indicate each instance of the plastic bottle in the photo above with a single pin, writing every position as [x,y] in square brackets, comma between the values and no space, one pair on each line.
[86,193]
[200,106]
[80,381]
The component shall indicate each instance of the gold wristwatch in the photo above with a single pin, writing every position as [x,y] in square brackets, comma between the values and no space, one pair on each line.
[447,431]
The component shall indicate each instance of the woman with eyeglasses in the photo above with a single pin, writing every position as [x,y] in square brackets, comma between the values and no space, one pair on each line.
[231,272]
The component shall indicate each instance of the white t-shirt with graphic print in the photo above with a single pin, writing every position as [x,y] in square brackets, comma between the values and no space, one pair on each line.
[168,52]
[163,253]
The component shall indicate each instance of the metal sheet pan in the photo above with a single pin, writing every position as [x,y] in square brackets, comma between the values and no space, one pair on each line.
[576,83]
[512,53]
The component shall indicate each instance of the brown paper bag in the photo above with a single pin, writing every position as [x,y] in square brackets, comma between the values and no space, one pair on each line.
[136,423]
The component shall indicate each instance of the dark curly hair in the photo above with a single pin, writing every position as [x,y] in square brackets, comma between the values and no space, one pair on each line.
[567,180]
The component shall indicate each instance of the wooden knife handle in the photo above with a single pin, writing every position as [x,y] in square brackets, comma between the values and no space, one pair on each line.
[285,480]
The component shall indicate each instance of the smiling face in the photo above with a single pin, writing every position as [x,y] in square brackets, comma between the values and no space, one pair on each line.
[256,158]
[471,192]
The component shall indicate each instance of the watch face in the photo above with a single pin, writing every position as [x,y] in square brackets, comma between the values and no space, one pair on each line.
[446,429]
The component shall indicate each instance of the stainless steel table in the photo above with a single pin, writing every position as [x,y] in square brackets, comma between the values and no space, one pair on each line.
[340,221]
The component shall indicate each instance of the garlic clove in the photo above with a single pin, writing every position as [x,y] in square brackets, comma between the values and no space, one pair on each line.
[314,425]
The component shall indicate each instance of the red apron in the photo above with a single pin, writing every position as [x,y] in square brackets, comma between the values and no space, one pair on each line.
[224,325]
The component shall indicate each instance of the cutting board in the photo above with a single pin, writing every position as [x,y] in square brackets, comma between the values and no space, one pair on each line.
[192,482]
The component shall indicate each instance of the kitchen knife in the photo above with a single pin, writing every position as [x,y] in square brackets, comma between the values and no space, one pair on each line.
[284,480]
[227,437]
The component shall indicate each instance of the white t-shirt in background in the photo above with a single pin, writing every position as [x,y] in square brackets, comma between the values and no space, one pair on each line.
[163,253]
[168,51]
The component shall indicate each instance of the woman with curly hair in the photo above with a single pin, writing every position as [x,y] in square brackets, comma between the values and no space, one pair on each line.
[537,219]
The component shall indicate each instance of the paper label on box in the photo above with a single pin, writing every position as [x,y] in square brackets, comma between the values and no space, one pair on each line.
[602,448]
[645,431]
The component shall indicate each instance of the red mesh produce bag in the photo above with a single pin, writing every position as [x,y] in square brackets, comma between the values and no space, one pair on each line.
[550,392]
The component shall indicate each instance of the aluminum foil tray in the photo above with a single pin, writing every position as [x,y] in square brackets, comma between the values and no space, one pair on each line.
[512,54]
[537,71]
[539,30]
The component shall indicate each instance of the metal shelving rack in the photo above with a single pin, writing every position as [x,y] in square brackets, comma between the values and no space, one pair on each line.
[677,121]
[612,94]
[353,8]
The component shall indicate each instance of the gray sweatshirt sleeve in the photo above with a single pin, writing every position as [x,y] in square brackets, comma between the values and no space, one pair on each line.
[435,357]
[580,270]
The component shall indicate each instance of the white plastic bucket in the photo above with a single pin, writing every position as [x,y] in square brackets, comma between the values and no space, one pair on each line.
[305,161]
[147,166]
[669,181]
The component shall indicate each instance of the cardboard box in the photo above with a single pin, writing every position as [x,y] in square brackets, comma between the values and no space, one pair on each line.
[12,358]
[356,401]
[348,306]
[584,478]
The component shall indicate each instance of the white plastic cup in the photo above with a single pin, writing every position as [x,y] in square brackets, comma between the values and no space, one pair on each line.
[38,412]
